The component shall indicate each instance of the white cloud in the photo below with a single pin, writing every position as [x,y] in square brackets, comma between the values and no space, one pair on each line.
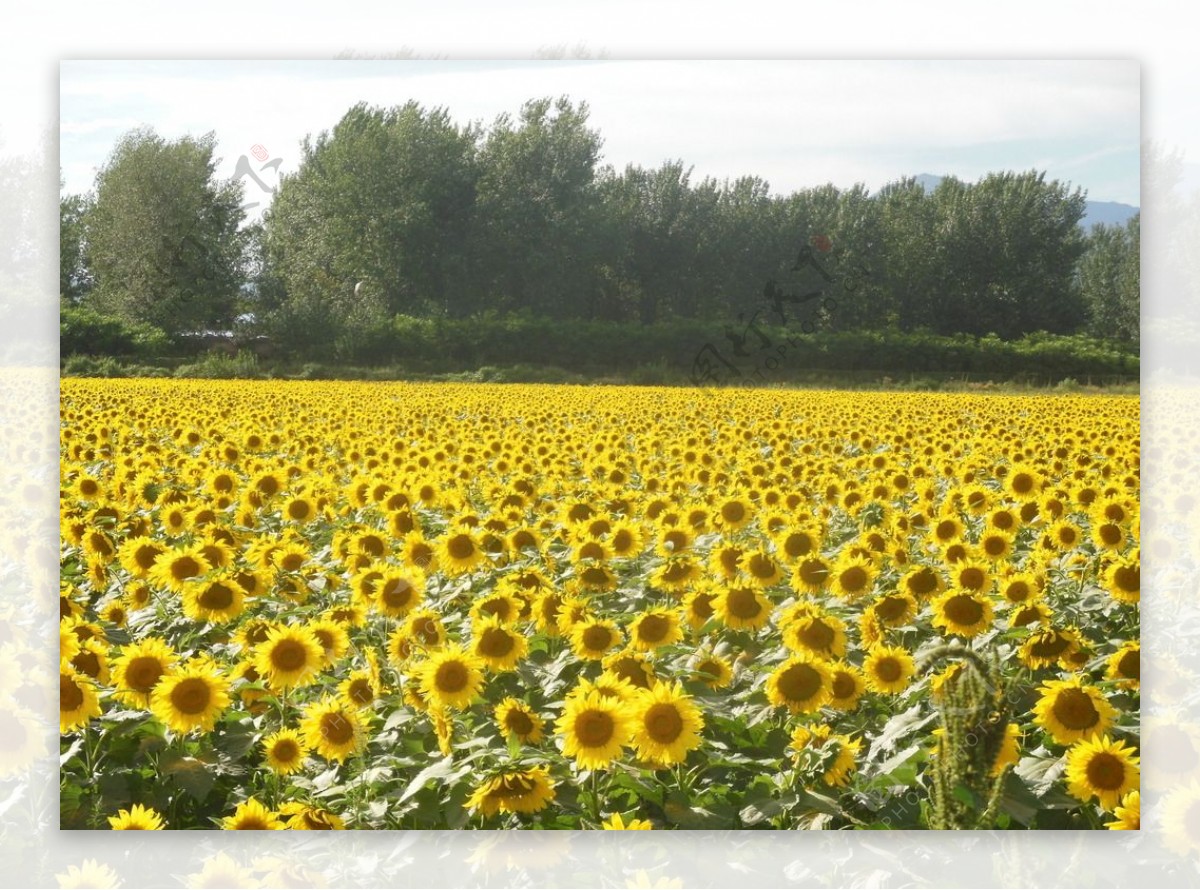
[794,123]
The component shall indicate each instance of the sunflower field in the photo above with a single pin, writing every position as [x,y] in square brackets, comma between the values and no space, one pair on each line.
[332,605]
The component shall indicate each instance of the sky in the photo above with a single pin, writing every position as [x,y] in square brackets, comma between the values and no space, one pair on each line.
[797,124]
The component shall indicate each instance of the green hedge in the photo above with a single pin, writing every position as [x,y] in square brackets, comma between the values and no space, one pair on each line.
[87,332]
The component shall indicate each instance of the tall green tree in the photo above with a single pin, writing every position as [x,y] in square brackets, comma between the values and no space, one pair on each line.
[162,235]
[538,206]
[1110,280]
[74,274]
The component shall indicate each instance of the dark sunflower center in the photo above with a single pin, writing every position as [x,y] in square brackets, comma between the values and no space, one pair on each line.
[742,603]
[337,729]
[1106,771]
[299,510]
[1128,578]
[1050,644]
[70,696]
[360,691]
[797,545]
[945,530]
[191,696]
[622,541]
[145,556]
[396,593]
[678,571]
[854,579]
[1017,592]
[971,578]
[1130,665]
[702,605]
[799,683]
[426,630]
[994,545]
[813,572]
[184,567]
[460,547]
[733,512]
[597,638]
[891,608]
[591,550]
[286,750]
[888,670]
[594,728]
[289,655]
[252,823]
[86,662]
[594,575]
[143,673]
[709,669]
[1075,710]
[964,610]
[653,628]
[1110,534]
[451,677]
[291,562]
[817,635]
[216,597]
[761,566]
[518,721]
[495,643]
[663,723]
[922,582]
[1022,483]
[843,685]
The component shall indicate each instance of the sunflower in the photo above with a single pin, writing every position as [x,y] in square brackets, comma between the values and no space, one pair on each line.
[1072,711]
[594,729]
[78,700]
[971,576]
[801,684]
[1123,578]
[175,567]
[252,816]
[459,552]
[616,822]
[743,608]
[1103,769]
[191,696]
[713,671]
[634,667]
[499,604]
[654,628]
[761,569]
[289,656]
[137,669]
[1062,536]
[1128,813]
[699,606]
[497,645]
[68,643]
[1125,665]
[1049,646]
[1020,587]
[450,677]
[1010,750]
[846,687]
[517,720]
[851,577]
[675,574]
[815,630]
[888,669]
[136,818]
[922,582]
[522,791]
[996,546]
[92,660]
[666,724]
[285,751]
[398,591]
[734,514]
[332,728]
[962,612]
[811,574]
[592,638]
[89,874]
[139,554]
[1023,481]
[894,609]
[303,817]
[214,599]
[838,753]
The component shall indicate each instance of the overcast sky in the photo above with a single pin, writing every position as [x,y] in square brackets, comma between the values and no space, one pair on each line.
[796,124]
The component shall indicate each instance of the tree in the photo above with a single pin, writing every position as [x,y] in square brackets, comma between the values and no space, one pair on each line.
[1110,280]
[74,274]
[538,205]
[163,236]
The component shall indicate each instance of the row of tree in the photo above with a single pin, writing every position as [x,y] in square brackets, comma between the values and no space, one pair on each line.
[402,211]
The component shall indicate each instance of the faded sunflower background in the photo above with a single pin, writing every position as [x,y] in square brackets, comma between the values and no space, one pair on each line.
[317,606]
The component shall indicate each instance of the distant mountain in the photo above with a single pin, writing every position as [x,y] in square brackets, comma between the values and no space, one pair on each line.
[1095,212]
